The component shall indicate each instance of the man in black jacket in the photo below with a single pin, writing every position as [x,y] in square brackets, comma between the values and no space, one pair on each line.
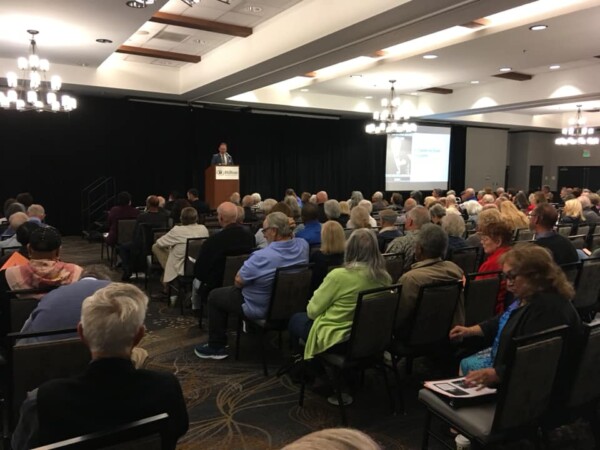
[233,239]
[111,391]
[541,221]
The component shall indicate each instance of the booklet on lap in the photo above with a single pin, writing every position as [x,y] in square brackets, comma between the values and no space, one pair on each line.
[458,393]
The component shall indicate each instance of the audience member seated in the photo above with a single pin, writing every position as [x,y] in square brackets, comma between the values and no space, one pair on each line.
[521,202]
[253,284]
[170,248]
[261,240]
[409,204]
[15,221]
[590,216]
[405,245]
[437,212]
[541,221]
[311,232]
[44,268]
[23,233]
[355,199]
[360,218]
[430,248]
[10,210]
[344,213]
[122,210]
[37,214]
[330,254]
[61,308]
[572,214]
[321,198]
[511,215]
[201,207]
[396,201]
[388,230]
[486,216]
[233,239]
[454,226]
[25,198]
[542,301]
[333,211]
[249,213]
[334,439]
[111,391]
[378,202]
[292,202]
[496,238]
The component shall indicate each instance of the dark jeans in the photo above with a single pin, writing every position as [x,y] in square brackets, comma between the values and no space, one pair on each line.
[222,302]
[299,328]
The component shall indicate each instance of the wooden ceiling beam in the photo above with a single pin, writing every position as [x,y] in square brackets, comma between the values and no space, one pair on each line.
[140,51]
[201,24]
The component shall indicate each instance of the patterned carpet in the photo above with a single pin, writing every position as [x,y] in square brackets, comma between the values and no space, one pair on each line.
[232,405]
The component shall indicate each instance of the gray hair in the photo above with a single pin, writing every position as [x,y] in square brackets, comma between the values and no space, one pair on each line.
[472,207]
[419,215]
[454,225]
[268,204]
[362,247]
[280,221]
[97,271]
[112,317]
[437,210]
[433,241]
[367,204]
[332,209]
[355,198]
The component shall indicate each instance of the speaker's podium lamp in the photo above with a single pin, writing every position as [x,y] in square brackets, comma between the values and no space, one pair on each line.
[219,183]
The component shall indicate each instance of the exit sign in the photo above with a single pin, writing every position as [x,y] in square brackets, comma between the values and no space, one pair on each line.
[586,154]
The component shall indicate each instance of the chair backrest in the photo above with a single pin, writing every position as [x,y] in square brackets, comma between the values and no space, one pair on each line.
[9,250]
[526,389]
[233,263]
[30,365]
[588,283]
[579,241]
[394,264]
[481,296]
[572,270]
[434,312]
[564,229]
[375,306]
[523,234]
[585,387]
[192,250]
[125,230]
[467,258]
[144,434]
[594,241]
[291,291]
[584,229]
[18,306]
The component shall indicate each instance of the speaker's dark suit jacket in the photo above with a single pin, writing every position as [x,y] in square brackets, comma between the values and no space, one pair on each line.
[216,159]
[110,392]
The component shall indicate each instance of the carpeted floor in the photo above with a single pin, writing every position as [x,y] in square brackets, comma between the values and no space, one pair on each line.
[232,405]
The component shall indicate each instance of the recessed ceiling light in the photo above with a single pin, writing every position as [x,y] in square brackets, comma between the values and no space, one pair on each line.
[554,67]
[104,41]
[430,56]
[414,93]
[369,97]
[475,82]
[304,90]
[538,27]
[355,76]
[143,32]
[253,9]
[505,69]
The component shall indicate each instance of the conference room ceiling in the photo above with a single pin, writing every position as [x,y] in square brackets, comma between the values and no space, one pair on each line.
[326,57]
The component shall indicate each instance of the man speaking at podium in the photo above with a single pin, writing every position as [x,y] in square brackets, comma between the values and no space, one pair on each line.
[222,158]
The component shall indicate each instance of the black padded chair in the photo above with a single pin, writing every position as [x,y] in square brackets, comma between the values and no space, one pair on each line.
[481,296]
[523,234]
[183,283]
[394,264]
[594,240]
[367,342]
[467,258]
[143,434]
[290,295]
[29,365]
[18,306]
[572,270]
[588,289]
[150,236]
[429,327]
[565,229]
[579,241]
[125,230]
[522,399]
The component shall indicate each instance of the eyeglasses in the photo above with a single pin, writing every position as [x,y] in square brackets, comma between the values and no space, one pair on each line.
[509,276]
[264,230]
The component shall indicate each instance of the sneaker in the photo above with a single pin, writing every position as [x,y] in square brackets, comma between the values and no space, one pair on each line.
[346,398]
[205,351]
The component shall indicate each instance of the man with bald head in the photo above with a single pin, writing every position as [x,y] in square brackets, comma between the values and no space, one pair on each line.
[233,239]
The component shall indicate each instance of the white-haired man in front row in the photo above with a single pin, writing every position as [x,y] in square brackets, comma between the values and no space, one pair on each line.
[111,391]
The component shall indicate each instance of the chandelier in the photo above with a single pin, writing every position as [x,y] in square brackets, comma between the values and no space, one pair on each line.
[390,119]
[577,133]
[31,90]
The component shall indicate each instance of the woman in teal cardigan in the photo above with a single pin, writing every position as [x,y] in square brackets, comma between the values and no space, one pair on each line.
[329,314]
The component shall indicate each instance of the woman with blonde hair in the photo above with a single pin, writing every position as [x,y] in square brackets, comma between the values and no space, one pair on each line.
[572,214]
[542,301]
[331,253]
[334,439]
[344,213]
[512,216]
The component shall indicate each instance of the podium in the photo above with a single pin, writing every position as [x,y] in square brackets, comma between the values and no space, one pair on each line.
[219,183]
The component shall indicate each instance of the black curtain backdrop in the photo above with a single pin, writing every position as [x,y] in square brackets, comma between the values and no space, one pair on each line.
[152,148]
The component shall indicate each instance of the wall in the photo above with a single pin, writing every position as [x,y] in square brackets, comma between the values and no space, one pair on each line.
[486,157]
